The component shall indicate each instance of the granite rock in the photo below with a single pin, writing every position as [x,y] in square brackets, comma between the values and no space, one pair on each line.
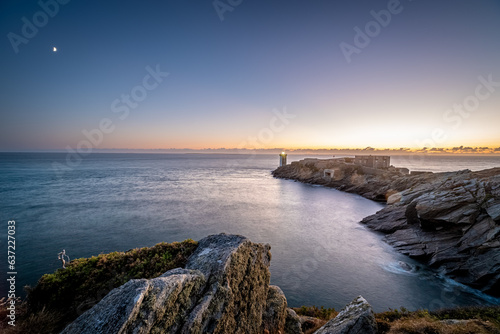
[223,289]
[356,318]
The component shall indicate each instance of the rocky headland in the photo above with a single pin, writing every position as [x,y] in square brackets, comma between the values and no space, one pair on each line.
[450,221]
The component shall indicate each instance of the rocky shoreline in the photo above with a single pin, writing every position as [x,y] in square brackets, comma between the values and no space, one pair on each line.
[450,221]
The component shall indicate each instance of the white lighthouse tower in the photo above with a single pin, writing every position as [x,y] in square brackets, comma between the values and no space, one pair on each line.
[282,159]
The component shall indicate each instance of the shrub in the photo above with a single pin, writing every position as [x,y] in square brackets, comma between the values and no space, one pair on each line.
[482,319]
[315,312]
[61,297]
[486,313]
[432,326]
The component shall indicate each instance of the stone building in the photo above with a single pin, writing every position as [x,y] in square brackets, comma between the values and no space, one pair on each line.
[373,161]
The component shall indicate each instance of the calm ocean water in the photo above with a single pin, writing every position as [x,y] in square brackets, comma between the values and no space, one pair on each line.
[115,202]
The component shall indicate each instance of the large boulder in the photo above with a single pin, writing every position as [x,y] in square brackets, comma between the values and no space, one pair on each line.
[292,322]
[309,323]
[237,272]
[141,306]
[493,209]
[273,319]
[223,289]
[356,318]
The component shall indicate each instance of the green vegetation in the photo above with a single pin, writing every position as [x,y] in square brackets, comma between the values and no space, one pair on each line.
[461,320]
[61,297]
[473,312]
[478,320]
[315,312]
[318,317]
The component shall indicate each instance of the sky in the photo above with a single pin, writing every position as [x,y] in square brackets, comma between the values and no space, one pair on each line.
[249,74]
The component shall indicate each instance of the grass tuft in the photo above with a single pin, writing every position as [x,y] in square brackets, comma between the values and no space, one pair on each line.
[315,312]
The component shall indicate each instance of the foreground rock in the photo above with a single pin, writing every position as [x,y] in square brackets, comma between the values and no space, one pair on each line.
[275,312]
[356,318]
[142,306]
[237,274]
[292,323]
[448,220]
[223,289]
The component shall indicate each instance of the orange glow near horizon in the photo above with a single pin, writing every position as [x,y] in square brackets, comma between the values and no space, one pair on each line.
[489,149]
[288,140]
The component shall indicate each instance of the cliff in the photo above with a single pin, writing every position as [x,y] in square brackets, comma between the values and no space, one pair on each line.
[449,220]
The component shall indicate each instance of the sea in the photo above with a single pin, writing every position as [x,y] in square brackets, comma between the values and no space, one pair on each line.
[321,254]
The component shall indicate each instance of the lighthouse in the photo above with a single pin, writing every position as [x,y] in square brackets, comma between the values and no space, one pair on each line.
[282,159]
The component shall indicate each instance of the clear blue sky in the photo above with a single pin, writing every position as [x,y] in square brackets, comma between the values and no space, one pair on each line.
[227,76]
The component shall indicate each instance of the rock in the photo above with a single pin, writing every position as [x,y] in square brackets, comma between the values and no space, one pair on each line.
[237,273]
[478,234]
[224,289]
[493,210]
[142,306]
[309,323]
[481,268]
[444,207]
[406,266]
[387,220]
[356,318]
[273,319]
[455,321]
[394,198]
[292,322]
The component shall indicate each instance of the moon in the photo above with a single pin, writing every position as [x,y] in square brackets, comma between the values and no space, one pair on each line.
[54,49]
